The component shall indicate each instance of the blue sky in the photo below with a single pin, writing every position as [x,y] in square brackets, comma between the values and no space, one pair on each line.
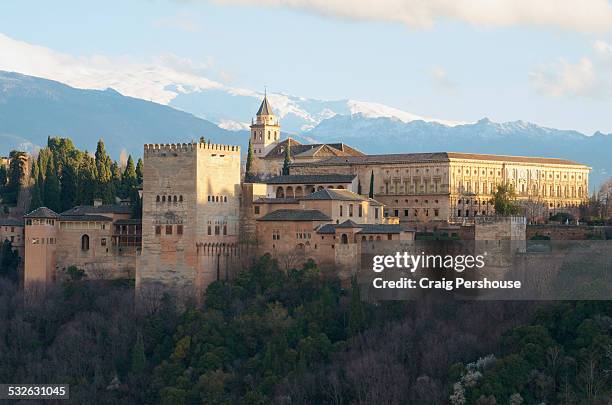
[552,67]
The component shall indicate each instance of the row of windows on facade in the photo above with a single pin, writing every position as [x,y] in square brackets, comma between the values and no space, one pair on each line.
[289,192]
[170,198]
[12,238]
[217,198]
[40,221]
[169,229]
[538,173]
[85,242]
[417,170]
[44,241]
[397,188]
[271,135]
[426,211]
[359,211]
[343,239]
[6,229]
[546,191]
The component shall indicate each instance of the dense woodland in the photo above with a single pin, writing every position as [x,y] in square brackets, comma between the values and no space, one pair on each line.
[62,176]
[271,336]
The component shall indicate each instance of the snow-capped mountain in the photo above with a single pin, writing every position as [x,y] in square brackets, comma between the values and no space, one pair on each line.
[232,108]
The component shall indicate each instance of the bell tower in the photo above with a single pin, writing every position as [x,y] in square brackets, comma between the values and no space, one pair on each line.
[265,131]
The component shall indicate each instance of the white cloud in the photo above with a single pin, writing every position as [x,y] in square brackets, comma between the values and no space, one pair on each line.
[574,15]
[563,78]
[153,80]
[590,77]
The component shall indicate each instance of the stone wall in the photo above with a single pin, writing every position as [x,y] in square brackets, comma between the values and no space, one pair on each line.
[568,232]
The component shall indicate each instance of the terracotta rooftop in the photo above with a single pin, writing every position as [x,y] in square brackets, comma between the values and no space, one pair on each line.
[295,215]
[93,218]
[100,209]
[335,194]
[299,150]
[433,157]
[42,212]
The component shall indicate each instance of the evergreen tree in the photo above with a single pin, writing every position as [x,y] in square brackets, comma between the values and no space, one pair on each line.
[139,168]
[103,167]
[87,184]
[3,176]
[371,193]
[16,172]
[52,194]
[248,173]
[136,203]
[69,184]
[357,319]
[116,183]
[139,360]
[129,179]
[287,161]
[35,196]
[9,260]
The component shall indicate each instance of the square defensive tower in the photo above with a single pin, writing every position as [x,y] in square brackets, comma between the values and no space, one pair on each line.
[191,201]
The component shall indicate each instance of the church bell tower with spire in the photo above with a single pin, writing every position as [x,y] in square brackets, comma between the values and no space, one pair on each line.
[265,130]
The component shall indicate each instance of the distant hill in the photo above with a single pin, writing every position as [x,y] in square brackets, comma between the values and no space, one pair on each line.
[31,109]
[389,135]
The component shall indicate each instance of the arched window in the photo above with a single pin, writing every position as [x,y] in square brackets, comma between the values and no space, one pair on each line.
[225,199]
[175,198]
[157,199]
[280,193]
[163,198]
[289,192]
[180,198]
[85,242]
[344,239]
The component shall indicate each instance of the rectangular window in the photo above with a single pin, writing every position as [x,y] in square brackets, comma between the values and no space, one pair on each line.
[341,210]
[103,242]
[436,212]
[405,213]
[209,230]
[157,229]
[396,213]
[256,209]
[360,210]
[376,213]
[350,210]
[179,229]
[224,229]
[168,229]
[217,230]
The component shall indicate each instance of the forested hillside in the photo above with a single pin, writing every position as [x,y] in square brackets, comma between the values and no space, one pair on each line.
[271,336]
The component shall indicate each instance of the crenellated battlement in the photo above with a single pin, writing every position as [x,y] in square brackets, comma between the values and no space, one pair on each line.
[155,149]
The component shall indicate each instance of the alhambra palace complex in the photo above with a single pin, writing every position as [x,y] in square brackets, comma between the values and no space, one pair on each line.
[201,221]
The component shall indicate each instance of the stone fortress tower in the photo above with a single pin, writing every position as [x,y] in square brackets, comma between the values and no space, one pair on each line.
[190,221]
[265,131]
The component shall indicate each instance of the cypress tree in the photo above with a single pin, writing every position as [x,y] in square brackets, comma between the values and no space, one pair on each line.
[139,359]
[287,161]
[52,188]
[35,195]
[87,180]
[139,167]
[129,179]
[3,176]
[16,172]
[103,167]
[371,193]
[116,185]
[69,184]
[248,173]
